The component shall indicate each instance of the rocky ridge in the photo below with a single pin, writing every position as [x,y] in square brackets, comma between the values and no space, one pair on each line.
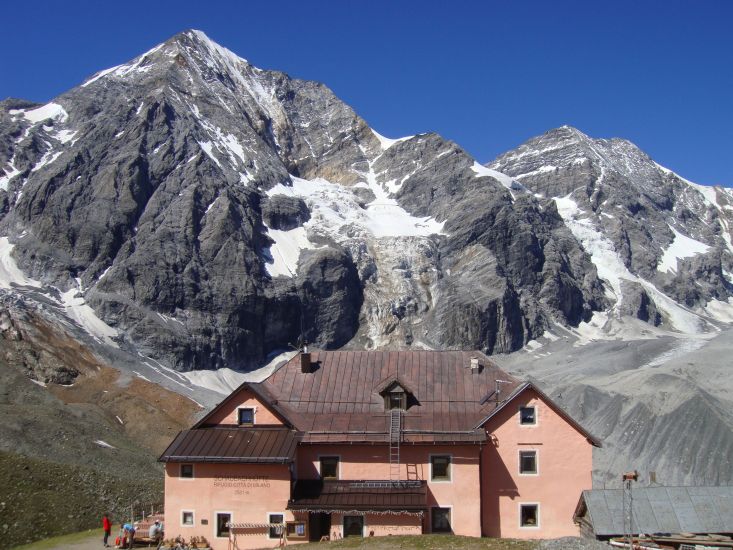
[661,244]
[209,211]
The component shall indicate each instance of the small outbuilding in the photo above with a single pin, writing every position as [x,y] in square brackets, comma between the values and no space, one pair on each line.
[661,511]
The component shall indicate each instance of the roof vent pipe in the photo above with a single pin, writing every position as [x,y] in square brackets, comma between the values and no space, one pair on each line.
[305,360]
[498,388]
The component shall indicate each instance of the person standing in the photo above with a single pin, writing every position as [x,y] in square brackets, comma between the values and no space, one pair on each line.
[107,527]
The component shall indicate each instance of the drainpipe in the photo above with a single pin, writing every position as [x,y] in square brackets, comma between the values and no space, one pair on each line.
[481,485]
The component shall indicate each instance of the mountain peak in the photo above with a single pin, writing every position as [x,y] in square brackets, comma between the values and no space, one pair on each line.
[191,43]
[568,132]
[202,40]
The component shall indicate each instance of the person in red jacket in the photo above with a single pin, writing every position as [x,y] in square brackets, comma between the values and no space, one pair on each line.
[107,526]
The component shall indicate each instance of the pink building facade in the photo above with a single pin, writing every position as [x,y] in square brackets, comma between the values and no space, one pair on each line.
[337,444]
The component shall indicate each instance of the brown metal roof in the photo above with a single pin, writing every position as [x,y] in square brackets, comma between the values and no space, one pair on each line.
[340,400]
[233,445]
[359,495]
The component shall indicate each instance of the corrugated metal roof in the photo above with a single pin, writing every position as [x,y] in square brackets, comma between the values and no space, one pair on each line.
[342,394]
[359,495]
[662,510]
[240,445]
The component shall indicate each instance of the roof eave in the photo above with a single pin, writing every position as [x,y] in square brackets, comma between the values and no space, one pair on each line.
[593,440]
[162,457]
[228,460]
[396,509]
[254,388]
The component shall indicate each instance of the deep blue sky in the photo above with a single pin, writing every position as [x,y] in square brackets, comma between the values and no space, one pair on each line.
[486,74]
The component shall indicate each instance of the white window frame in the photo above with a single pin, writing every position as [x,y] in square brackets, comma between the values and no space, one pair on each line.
[193,518]
[536,415]
[216,522]
[254,415]
[329,456]
[193,471]
[536,462]
[450,470]
[449,507]
[267,517]
[519,518]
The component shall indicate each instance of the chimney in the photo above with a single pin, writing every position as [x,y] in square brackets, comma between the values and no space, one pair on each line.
[305,360]
[652,478]
[475,366]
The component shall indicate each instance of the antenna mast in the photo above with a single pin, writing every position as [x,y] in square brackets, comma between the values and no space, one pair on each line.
[627,506]
[301,345]
[301,341]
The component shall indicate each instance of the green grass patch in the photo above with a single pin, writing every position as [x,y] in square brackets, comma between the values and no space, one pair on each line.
[424,542]
[71,538]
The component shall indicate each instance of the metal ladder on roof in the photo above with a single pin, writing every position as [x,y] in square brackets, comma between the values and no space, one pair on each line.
[395,434]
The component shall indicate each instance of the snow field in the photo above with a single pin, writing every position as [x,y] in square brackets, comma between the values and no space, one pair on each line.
[286,251]
[78,310]
[505,180]
[71,301]
[336,213]
[226,380]
[49,111]
[5,180]
[386,143]
[681,247]
[9,273]
[611,269]
[124,69]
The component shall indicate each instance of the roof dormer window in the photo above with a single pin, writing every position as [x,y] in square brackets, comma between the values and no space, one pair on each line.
[396,401]
[396,394]
[395,397]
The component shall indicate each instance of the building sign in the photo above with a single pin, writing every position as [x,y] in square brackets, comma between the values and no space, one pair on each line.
[396,529]
[242,484]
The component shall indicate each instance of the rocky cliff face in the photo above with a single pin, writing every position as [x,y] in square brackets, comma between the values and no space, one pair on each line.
[661,244]
[208,211]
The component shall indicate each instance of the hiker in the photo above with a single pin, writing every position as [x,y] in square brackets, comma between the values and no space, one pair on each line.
[156,533]
[129,534]
[107,527]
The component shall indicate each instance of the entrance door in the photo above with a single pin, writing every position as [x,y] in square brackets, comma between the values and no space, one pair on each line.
[353,526]
[319,526]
